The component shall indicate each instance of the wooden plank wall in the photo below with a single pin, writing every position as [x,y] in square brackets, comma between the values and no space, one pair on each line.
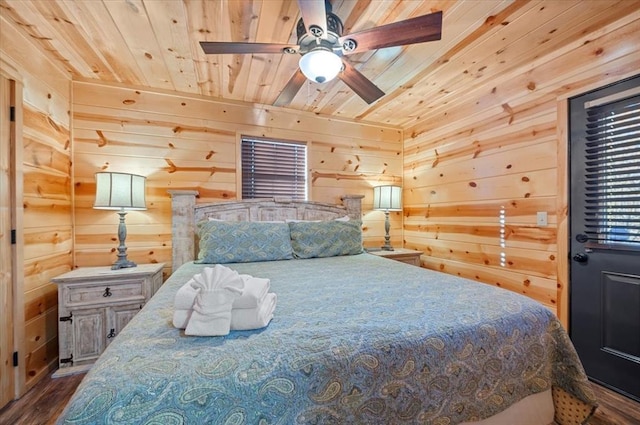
[479,166]
[191,142]
[45,241]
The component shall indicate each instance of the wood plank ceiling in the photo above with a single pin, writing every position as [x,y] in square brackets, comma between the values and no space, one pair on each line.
[154,43]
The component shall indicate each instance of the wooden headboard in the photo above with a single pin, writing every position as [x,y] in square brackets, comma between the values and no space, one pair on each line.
[185,213]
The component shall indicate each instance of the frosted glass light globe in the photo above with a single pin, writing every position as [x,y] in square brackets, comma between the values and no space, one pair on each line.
[320,65]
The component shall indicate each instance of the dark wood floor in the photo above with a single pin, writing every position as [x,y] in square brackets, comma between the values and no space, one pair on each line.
[43,404]
[614,408]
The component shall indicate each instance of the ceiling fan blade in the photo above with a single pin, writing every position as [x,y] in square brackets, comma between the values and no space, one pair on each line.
[215,47]
[415,30]
[291,89]
[360,84]
[314,13]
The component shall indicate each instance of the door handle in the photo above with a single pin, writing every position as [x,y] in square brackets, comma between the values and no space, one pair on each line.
[582,238]
[581,257]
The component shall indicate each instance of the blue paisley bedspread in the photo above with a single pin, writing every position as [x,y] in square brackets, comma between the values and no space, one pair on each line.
[354,340]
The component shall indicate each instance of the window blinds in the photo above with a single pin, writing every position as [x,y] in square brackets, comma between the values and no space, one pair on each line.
[612,177]
[272,168]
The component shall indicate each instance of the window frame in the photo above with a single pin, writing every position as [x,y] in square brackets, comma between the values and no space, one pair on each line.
[244,138]
[604,194]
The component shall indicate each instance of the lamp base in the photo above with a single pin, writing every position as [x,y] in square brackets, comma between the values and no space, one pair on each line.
[123,264]
[387,244]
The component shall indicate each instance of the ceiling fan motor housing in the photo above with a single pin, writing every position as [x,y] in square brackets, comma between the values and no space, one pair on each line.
[314,38]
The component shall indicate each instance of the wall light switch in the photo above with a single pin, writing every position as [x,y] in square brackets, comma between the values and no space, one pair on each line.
[541,218]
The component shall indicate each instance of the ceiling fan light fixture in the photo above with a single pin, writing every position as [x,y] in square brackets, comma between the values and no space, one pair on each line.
[320,65]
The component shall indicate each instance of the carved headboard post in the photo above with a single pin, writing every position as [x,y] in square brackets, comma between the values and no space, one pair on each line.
[183,204]
[353,204]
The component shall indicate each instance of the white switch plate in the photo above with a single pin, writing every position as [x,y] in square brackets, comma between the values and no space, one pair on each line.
[541,218]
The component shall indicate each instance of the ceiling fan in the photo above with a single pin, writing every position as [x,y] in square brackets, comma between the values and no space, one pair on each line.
[323,47]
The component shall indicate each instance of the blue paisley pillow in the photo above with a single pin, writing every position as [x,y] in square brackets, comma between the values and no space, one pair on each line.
[326,238]
[242,242]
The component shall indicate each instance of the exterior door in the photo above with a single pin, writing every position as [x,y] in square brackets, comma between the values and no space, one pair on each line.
[605,234]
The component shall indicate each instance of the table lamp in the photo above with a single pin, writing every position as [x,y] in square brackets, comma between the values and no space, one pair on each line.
[122,192]
[387,198]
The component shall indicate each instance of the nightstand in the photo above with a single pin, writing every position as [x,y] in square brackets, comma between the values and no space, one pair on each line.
[404,255]
[94,304]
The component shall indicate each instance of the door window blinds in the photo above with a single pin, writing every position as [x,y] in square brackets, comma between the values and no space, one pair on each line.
[273,168]
[612,177]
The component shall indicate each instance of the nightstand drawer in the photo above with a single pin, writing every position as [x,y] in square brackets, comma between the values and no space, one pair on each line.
[403,255]
[414,260]
[104,292]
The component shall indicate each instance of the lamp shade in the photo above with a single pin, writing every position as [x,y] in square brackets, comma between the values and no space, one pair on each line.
[388,198]
[320,65]
[120,191]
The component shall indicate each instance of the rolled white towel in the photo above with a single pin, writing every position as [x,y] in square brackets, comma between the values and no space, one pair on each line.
[255,289]
[243,319]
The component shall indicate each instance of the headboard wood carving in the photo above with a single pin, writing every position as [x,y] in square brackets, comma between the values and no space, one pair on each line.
[186,213]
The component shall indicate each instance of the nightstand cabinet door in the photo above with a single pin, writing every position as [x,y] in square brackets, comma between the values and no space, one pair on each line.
[118,318]
[83,332]
[94,305]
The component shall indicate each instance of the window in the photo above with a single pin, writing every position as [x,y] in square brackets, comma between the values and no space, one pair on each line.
[611,129]
[273,168]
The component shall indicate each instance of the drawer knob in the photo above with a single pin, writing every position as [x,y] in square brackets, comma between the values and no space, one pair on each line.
[112,333]
[107,292]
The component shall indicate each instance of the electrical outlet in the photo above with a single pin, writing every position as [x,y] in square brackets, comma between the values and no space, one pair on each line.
[541,218]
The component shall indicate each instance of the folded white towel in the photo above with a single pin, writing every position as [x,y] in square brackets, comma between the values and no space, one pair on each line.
[185,296]
[181,317]
[211,314]
[217,287]
[241,318]
[217,277]
[255,289]
[254,318]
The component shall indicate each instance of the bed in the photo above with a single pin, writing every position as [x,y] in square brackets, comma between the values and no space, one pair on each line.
[355,339]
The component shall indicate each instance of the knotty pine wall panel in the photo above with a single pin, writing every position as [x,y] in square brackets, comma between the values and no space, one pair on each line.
[478,166]
[47,236]
[46,240]
[190,142]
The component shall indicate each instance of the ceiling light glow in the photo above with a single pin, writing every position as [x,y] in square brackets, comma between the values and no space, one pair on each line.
[320,65]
